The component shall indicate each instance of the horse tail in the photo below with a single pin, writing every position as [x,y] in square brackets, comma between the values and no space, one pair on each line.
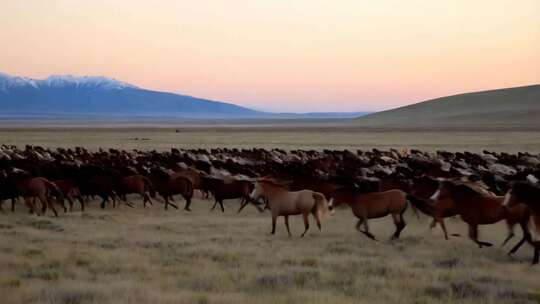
[419,204]
[320,203]
[148,186]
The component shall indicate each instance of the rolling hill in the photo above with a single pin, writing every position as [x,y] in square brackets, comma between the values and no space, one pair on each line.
[510,107]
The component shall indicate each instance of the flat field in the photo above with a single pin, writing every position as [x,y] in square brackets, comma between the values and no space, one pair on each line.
[273,135]
[149,255]
[139,255]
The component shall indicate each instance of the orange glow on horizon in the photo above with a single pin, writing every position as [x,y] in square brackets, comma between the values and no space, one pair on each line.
[301,56]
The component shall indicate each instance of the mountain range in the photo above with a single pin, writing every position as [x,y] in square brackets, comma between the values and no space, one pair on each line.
[101,95]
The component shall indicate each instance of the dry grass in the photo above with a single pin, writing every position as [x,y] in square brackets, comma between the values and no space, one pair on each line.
[304,136]
[126,255]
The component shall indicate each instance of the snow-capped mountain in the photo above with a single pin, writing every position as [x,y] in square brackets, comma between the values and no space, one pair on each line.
[101,95]
[98,82]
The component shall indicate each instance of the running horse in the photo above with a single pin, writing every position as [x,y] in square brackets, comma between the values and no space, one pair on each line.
[283,202]
[373,205]
[477,207]
[167,186]
[529,195]
[228,189]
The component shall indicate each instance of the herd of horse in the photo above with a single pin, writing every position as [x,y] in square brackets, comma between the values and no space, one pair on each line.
[481,188]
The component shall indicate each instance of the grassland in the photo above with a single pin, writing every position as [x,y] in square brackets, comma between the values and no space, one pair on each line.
[287,136]
[126,255]
[139,255]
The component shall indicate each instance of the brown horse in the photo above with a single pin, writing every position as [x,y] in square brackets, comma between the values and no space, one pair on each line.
[373,205]
[137,184]
[71,192]
[421,190]
[195,177]
[168,186]
[40,188]
[285,203]
[477,207]
[523,193]
[230,189]
[425,187]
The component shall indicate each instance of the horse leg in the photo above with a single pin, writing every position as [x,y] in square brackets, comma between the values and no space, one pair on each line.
[286,217]
[81,200]
[188,203]
[243,204]
[473,235]
[221,205]
[30,205]
[43,206]
[433,223]
[146,198]
[70,201]
[359,224]
[105,198]
[400,225]
[47,201]
[306,223]
[13,205]
[214,206]
[510,234]
[366,231]
[274,219]
[165,197]
[443,227]
[317,216]
[526,237]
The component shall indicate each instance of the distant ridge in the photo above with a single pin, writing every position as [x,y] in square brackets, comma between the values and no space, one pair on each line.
[77,97]
[510,107]
[67,94]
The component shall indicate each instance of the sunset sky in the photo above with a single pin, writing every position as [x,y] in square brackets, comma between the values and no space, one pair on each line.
[295,55]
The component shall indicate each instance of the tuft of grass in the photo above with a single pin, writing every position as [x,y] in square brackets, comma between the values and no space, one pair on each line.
[30,253]
[46,225]
[10,283]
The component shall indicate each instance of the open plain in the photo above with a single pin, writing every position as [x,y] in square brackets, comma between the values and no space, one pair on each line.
[285,134]
[143,255]
[149,255]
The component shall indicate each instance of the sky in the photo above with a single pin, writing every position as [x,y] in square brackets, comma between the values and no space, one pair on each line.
[281,55]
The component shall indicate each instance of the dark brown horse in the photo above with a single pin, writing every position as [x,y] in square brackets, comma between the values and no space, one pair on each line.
[136,184]
[477,207]
[421,190]
[228,189]
[373,205]
[40,188]
[195,177]
[523,193]
[71,192]
[168,186]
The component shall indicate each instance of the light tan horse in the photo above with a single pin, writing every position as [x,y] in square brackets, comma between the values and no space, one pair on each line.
[373,205]
[283,202]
